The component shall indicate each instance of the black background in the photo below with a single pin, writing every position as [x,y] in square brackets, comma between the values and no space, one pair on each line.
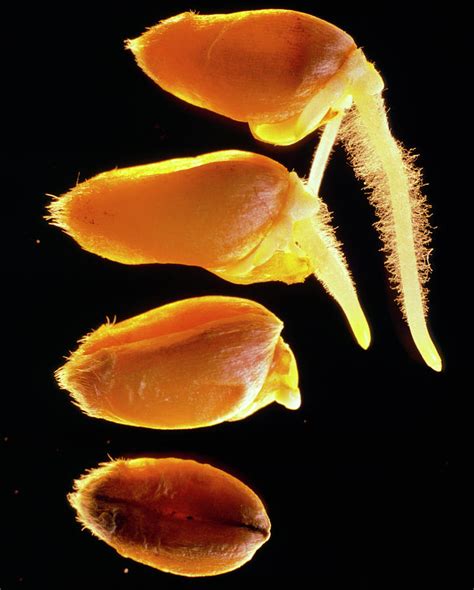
[356,481]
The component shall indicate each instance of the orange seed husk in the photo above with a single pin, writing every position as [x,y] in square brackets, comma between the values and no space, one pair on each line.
[231,212]
[240,215]
[188,364]
[258,66]
[176,515]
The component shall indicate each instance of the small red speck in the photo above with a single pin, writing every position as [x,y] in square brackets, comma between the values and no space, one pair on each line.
[37,241]
[125,571]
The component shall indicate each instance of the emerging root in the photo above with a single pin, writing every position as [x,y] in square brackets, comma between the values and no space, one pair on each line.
[369,167]
[319,240]
[388,170]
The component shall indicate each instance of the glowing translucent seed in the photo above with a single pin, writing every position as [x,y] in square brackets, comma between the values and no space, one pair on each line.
[256,66]
[189,364]
[240,215]
[287,73]
[176,515]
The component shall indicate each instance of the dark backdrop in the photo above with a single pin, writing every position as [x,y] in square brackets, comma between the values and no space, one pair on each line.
[355,481]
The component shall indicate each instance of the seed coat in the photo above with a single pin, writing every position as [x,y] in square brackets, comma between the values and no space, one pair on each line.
[176,515]
[188,364]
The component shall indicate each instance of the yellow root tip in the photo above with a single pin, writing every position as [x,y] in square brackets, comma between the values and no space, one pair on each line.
[361,330]
[428,350]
